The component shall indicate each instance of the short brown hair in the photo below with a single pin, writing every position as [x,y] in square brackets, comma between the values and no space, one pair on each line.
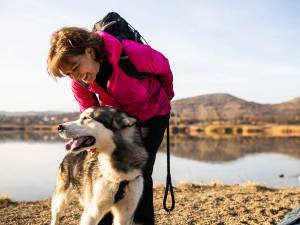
[71,41]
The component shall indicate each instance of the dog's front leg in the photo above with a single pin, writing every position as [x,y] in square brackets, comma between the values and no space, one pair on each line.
[92,214]
[59,201]
[123,210]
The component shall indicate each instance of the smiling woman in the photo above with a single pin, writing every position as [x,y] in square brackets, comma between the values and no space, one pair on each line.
[74,51]
[81,67]
[93,57]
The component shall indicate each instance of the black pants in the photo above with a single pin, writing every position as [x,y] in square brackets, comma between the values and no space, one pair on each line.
[152,132]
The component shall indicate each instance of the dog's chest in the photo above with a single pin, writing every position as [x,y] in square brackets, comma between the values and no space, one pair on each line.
[107,170]
[110,172]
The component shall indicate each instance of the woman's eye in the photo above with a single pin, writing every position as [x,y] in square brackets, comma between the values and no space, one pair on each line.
[76,68]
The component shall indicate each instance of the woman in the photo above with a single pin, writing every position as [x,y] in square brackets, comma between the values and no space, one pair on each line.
[93,58]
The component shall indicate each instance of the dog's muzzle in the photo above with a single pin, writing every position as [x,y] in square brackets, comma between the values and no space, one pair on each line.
[77,143]
[80,142]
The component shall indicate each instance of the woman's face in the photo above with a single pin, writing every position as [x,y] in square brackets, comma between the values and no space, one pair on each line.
[82,67]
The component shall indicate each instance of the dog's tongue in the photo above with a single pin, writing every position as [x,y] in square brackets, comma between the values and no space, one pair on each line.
[74,143]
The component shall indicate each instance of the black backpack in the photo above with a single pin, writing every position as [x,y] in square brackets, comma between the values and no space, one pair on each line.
[117,26]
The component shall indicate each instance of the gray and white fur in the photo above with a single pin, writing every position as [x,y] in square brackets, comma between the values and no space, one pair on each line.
[103,168]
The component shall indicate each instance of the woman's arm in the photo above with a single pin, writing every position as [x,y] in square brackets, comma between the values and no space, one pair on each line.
[83,96]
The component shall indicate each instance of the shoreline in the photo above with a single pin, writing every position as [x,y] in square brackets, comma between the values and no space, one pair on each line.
[213,129]
[203,204]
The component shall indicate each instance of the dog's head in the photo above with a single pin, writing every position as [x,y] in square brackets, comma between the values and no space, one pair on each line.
[94,128]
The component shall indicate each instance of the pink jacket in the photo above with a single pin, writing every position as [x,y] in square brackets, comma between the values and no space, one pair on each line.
[139,98]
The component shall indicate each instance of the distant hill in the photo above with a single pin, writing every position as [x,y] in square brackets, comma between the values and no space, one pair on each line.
[225,107]
[204,108]
[29,113]
[36,117]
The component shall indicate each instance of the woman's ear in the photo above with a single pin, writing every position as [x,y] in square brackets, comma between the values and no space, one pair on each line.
[91,52]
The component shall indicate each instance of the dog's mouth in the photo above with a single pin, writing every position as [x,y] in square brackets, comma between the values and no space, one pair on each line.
[80,142]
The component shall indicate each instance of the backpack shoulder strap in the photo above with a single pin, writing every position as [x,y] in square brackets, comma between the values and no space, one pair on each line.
[85,85]
[128,67]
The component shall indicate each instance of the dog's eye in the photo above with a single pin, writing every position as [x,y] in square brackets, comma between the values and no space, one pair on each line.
[85,118]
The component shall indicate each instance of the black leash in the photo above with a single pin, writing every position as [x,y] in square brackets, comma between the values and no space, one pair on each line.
[169,186]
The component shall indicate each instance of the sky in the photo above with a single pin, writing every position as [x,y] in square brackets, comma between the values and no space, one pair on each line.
[249,49]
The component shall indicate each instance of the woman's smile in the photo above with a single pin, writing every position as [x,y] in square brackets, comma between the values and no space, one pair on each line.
[82,67]
[88,78]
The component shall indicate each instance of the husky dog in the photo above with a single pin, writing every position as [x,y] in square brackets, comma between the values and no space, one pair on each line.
[103,168]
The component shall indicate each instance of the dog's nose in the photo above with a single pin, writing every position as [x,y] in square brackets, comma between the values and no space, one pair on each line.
[60,127]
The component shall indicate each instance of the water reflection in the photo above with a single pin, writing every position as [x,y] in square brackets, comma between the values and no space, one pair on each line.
[202,148]
[227,149]
[261,168]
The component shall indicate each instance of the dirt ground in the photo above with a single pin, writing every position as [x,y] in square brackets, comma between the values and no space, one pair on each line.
[195,204]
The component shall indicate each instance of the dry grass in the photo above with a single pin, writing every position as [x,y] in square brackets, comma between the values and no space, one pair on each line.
[5,200]
[213,204]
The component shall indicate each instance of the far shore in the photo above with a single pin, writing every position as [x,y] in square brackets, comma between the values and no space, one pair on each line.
[193,130]
[196,204]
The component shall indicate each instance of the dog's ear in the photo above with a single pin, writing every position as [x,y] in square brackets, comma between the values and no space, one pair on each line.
[122,121]
[129,121]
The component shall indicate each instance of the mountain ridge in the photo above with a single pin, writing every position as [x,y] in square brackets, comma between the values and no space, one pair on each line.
[226,107]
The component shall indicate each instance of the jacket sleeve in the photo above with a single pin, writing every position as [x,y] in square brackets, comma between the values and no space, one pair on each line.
[83,96]
[151,61]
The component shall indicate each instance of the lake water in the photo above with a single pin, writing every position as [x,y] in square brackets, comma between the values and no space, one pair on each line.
[28,167]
